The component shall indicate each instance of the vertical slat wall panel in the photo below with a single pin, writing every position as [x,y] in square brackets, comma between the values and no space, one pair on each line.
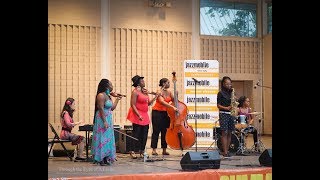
[235,55]
[75,62]
[220,54]
[82,65]
[153,54]
[51,65]
[63,66]
[257,57]
[74,69]
[247,58]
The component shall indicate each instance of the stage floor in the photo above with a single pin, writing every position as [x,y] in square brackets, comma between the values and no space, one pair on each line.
[60,167]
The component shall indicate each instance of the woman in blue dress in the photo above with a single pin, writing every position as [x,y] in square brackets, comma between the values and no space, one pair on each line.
[103,146]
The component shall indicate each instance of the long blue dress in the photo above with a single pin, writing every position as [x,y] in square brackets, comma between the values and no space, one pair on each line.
[103,142]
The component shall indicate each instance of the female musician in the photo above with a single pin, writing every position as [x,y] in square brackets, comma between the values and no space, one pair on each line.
[244,109]
[68,124]
[138,114]
[226,121]
[160,118]
[103,142]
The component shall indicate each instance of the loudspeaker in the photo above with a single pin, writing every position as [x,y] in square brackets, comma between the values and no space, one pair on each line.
[201,160]
[125,143]
[265,158]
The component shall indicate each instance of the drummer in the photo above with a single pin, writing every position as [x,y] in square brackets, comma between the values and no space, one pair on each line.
[244,109]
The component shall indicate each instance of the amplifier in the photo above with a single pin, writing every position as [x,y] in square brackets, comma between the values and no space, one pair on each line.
[125,142]
[116,136]
[127,127]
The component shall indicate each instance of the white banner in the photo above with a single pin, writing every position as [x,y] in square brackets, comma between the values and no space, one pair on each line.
[201,84]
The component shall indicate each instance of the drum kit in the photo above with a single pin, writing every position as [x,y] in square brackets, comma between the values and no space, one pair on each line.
[238,137]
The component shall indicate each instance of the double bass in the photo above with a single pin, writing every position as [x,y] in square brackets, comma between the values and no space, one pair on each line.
[179,134]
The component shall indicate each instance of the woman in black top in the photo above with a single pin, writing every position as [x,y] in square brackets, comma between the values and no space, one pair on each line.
[226,121]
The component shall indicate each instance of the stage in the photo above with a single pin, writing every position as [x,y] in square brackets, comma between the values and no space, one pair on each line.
[163,167]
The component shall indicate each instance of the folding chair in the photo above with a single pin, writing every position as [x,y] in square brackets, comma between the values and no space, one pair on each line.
[57,139]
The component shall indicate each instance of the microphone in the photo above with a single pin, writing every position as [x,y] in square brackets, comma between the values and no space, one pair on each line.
[255,86]
[195,80]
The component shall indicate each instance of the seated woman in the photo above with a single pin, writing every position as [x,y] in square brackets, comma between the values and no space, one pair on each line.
[244,109]
[67,125]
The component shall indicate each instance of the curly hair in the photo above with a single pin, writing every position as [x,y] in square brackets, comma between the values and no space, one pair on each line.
[241,100]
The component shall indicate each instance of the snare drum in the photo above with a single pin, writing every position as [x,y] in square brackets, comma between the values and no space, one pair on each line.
[242,119]
[241,122]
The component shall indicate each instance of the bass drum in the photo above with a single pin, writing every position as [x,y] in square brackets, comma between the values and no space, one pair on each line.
[234,145]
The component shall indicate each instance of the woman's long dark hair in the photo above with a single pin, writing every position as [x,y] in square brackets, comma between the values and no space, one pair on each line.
[67,107]
[102,87]
[241,100]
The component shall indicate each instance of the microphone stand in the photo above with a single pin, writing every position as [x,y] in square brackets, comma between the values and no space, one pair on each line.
[264,86]
[195,111]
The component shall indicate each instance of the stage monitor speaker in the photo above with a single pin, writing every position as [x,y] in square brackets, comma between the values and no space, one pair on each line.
[201,160]
[265,158]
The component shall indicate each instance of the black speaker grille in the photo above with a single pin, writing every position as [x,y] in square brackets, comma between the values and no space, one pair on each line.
[265,158]
[200,160]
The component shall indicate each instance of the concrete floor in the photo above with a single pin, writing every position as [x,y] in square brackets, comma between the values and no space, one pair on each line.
[59,167]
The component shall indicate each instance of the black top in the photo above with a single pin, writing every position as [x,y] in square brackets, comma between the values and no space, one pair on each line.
[224,99]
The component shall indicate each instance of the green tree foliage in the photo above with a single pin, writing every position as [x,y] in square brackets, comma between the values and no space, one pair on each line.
[243,24]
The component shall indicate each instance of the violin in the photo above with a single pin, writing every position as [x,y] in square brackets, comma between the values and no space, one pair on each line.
[146,92]
[117,94]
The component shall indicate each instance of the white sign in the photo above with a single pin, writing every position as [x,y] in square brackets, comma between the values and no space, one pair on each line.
[201,84]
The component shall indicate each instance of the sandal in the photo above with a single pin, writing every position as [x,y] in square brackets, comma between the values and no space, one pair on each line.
[165,153]
[141,153]
[133,155]
[155,153]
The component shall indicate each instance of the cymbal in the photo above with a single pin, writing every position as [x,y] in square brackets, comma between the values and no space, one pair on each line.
[255,113]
